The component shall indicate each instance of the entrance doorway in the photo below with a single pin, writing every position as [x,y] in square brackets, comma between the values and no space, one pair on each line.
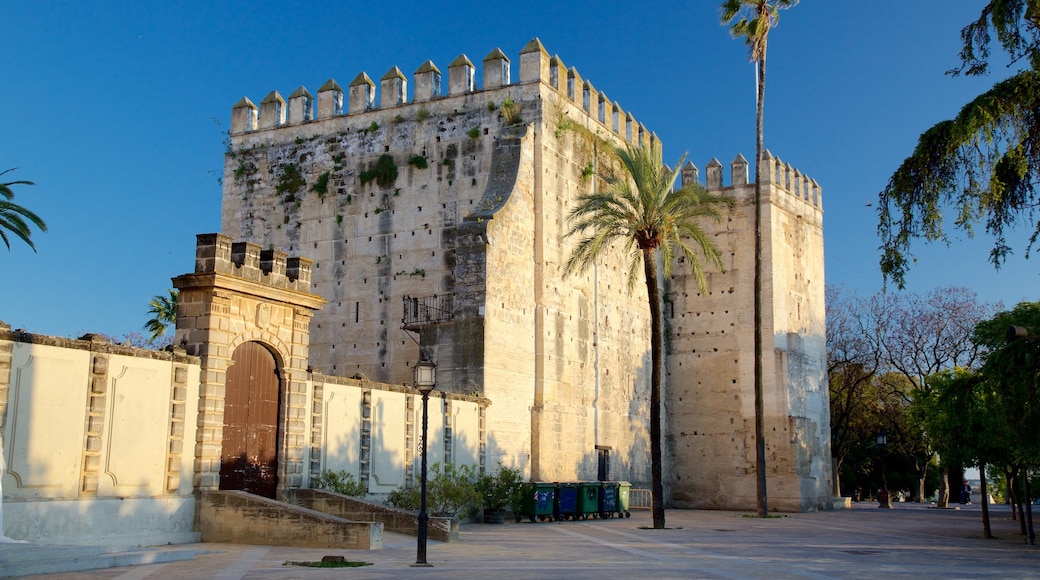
[249,453]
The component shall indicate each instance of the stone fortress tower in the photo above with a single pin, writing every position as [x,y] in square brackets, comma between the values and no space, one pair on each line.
[437,222]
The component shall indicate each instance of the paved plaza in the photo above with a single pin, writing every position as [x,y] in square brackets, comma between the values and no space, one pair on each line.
[909,541]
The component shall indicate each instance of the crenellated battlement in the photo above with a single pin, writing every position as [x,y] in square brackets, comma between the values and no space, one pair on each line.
[793,181]
[219,254]
[364,95]
[776,173]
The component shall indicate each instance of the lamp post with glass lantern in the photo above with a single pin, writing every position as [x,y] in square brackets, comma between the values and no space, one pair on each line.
[425,379]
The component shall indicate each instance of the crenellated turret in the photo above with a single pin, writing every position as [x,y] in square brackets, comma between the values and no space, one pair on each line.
[461,73]
[272,111]
[774,171]
[427,82]
[588,96]
[362,94]
[393,88]
[534,62]
[739,170]
[690,174]
[536,66]
[713,174]
[330,100]
[243,116]
[575,85]
[219,254]
[496,69]
[301,106]
[557,74]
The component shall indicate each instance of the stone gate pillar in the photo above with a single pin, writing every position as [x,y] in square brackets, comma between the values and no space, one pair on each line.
[237,294]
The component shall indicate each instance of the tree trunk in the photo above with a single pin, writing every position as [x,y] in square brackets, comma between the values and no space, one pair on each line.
[921,475]
[986,530]
[760,442]
[944,488]
[656,467]
[836,477]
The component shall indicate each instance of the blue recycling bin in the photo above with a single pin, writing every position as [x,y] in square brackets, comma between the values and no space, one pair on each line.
[566,501]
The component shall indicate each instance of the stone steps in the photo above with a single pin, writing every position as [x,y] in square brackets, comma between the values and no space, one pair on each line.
[28,559]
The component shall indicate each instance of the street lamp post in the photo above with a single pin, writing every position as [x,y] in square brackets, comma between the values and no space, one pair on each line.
[425,380]
[884,499]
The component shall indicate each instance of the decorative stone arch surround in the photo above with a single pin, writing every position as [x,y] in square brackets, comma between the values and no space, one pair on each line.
[238,294]
[272,342]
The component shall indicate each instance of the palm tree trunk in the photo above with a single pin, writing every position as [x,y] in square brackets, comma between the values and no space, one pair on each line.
[760,442]
[987,532]
[656,467]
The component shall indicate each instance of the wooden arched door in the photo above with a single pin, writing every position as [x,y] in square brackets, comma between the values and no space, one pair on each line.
[249,454]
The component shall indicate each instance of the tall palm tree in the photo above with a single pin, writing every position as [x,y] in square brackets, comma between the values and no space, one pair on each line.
[752,20]
[164,311]
[641,211]
[13,216]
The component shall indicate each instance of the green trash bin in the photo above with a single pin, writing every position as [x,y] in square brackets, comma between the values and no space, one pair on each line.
[566,501]
[608,499]
[622,496]
[588,499]
[538,502]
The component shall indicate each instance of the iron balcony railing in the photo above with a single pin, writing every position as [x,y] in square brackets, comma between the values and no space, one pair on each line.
[420,311]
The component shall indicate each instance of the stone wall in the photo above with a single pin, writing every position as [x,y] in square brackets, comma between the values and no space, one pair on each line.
[462,198]
[97,439]
[473,186]
[711,356]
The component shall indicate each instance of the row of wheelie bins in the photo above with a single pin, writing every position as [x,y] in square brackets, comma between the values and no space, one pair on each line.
[556,501]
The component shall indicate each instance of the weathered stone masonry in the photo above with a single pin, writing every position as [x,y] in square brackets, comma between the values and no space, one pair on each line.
[460,199]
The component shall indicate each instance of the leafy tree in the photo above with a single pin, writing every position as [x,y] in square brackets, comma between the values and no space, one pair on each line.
[922,334]
[642,212]
[164,314]
[15,218]
[752,20]
[982,165]
[1013,369]
[881,352]
[963,425]
[853,363]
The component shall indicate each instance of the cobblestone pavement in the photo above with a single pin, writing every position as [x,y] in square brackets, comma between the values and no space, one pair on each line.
[909,541]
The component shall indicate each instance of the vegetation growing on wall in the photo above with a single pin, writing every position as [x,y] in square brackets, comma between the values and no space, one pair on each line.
[243,170]
[511,112]
[290,182]
[384,172]
[418,162]
[321,186]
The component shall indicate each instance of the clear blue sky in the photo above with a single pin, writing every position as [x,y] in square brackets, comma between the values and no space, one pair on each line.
[116,110]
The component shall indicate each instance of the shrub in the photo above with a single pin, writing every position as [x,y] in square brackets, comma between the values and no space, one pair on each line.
[406,498]
[450,489]
[501,490]
[340,482]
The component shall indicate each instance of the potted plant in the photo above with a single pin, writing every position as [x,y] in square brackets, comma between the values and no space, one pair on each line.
[499,491]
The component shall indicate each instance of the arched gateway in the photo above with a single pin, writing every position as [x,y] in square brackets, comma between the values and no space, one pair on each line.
[249,455]
[246,313]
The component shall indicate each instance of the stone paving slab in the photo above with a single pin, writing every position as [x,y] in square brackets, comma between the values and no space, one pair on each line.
[909,541]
